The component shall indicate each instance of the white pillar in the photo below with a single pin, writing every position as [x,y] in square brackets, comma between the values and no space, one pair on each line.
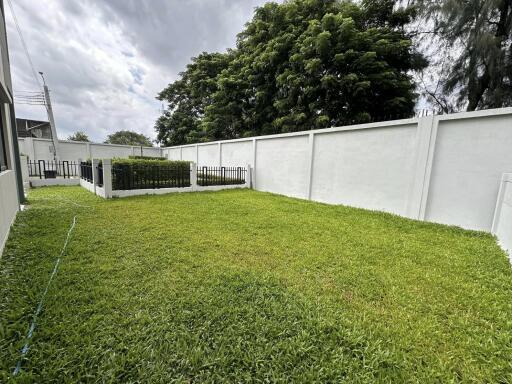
[420,181]
[79,165]
[30,149]
[253,173]
[95,177]
[248,176]
[24,169]
[220,154]
[89,154]
[193,176]
[107,178]
[310,165]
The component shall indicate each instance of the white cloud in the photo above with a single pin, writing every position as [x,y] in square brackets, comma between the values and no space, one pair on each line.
[105,61]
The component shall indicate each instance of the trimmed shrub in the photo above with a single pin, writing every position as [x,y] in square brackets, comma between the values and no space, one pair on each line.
[149,174]
[147,157]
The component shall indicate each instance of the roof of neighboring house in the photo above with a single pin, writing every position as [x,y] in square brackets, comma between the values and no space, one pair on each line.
[33,128]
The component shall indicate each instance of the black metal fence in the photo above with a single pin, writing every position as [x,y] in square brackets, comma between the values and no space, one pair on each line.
[86,171]
[50,169]
[150,176]
[100,175]
[221,175]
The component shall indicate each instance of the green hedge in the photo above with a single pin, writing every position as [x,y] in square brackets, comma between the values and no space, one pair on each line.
[149,174]
[147,157]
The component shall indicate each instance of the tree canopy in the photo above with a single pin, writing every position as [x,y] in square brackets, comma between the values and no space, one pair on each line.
[299,65]
[476,36]
[79,136]
[128,138]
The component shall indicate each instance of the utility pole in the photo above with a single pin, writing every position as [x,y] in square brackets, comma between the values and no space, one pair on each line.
[49,109]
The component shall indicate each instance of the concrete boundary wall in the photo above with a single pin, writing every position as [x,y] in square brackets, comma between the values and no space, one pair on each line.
[39,149]
[444,169]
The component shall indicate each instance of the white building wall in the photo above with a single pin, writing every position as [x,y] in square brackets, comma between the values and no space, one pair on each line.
[8,204]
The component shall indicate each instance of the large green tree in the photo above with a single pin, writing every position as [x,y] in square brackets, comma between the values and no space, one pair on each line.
[187,99]
[128,138]
[299,65]
[79,136]
[477,37]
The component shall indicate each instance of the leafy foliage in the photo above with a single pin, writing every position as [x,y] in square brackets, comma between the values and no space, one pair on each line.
[188,98]
[154,172]
[244,286]
[298,65]
[79,136]
[147,157]
[478,35]
[128,138]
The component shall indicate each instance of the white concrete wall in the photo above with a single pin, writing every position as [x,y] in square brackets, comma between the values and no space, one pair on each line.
[39,149]
[369,168]
[208,155]
[8,204]
[444,169]
[470,157]
[502,222]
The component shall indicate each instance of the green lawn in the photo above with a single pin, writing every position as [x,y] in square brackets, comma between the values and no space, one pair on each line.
[242,286]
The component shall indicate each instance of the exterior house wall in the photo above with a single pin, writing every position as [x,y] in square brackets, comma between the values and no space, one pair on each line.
[10,177]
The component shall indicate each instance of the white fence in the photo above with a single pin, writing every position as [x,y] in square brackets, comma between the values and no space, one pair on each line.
[102,185]
[40,149]
[444,169]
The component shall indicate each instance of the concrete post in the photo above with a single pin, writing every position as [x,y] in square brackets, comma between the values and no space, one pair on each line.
[220,154]
[107,178]
[193,176]
[24,170]
[79,168]
[95,178]
[254,152]
[311,155]
[248,176]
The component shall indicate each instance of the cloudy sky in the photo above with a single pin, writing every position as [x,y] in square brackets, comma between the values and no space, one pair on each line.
[105,60]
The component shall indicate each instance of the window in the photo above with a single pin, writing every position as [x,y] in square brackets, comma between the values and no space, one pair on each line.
[3,146]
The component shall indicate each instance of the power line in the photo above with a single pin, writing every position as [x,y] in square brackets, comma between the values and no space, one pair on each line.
[25,48]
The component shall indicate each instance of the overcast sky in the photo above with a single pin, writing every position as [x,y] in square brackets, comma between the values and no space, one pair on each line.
[105,60]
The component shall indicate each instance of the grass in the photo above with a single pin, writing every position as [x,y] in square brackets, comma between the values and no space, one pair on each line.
[242,286]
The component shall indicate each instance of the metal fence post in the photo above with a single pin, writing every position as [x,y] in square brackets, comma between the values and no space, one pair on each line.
[107,178]
[95,176]
[193,176]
